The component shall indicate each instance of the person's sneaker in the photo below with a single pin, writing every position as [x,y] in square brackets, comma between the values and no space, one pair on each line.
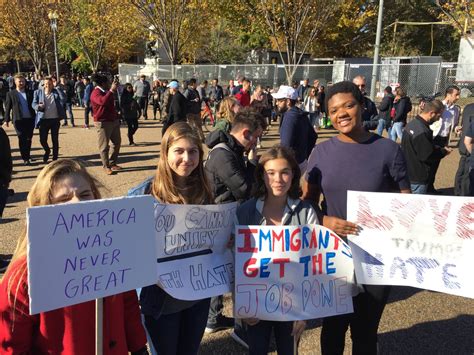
[222,322]
[240,337]
[108,171]
[116,168]
[86,126]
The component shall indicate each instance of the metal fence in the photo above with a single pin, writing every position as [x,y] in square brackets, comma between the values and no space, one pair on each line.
[416,79]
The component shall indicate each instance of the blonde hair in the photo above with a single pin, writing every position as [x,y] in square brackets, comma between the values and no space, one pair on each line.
[41,195]
[226,111]
[164,188]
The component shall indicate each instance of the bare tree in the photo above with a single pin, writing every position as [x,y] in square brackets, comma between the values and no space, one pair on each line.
[294,25]
[170,21]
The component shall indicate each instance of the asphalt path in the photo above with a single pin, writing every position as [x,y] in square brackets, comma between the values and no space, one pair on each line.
[414,321]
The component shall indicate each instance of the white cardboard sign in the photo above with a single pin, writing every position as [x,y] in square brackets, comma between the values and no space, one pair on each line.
[193,257]
[287,273]
[83,251]
[413,240]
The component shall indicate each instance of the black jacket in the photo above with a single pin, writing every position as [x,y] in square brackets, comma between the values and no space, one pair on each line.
[6,164]
[385,107]
[178,108]
[194,100]
[369,114]
[420,151]
[229,175]
[467,118]
[12,106]
[402,107]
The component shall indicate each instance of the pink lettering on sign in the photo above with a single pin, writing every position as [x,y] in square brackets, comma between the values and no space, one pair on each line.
[366,218]
[440,217]
[406,212]
[465,221]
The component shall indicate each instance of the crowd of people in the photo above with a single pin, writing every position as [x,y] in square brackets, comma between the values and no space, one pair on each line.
[295,182]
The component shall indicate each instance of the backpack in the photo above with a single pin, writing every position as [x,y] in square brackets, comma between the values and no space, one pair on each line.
[408,105]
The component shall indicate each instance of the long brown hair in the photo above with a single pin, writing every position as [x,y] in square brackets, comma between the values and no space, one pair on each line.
[226,109]
[164,188]
[41,195]
[277,152]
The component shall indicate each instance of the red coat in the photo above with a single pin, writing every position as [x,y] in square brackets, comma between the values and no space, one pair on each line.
[103,106]
[243,97]
[68,330]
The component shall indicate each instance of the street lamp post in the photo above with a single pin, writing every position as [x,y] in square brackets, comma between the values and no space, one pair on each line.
[373,83]
[53,18]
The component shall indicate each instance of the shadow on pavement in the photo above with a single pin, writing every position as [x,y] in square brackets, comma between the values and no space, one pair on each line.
[401,293]
[449,336]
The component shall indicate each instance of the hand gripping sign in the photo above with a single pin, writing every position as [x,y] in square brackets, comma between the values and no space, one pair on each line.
[289,273]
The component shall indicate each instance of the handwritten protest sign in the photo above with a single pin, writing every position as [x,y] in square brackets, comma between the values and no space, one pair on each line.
[83,251]
[194,261]
[414,240]
[291,272]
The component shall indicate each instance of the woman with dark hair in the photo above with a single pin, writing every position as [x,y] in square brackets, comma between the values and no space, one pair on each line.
[275,202]
[402,105]
[356,160]
[176,326]
[130,111]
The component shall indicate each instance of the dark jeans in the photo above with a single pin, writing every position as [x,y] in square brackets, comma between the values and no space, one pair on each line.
[364,323]
[441,142]
[156,108]
[52,125]
[260,333]
[24,130]
[3,198]
[132,123]
[179,333]
[215,309]
[68,108]
[143,104]
[462,180]
[87,111]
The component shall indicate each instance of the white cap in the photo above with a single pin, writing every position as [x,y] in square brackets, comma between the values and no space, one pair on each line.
[286,92]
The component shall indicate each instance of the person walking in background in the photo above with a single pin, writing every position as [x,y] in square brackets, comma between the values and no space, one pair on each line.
[442,129]
[302,91]
[216,94]
[295,132]
[68,88]
[420,151]
[19,110]
[402,106]
[178,108]
[228,90]
[79,90]
[142,91]
[243,95]
[369,113]
[227,111]
[156,97]
[311,107]
[106,121]
[325,122]
[48,102]
[6,169]
[194,107]
[88,87]
[386,111]
[130,111]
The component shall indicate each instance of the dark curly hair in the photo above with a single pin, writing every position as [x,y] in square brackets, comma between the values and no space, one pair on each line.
[277,152]
[344,87]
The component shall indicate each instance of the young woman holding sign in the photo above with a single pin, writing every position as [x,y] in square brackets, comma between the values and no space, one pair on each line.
[68,330]
[175,326]
[356,160]
[276,202]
